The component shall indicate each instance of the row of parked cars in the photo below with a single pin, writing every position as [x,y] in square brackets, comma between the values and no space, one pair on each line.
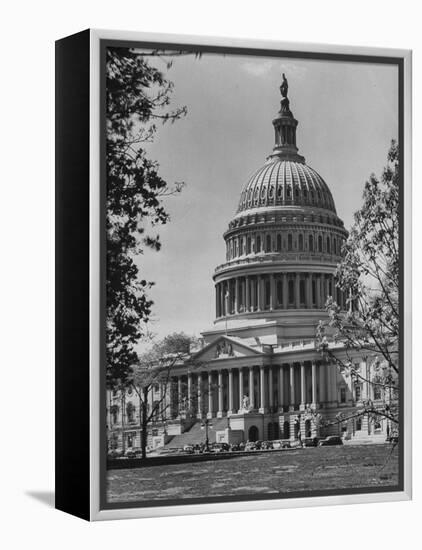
[135,452]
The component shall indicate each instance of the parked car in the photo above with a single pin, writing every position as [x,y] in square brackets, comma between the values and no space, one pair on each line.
[310,442]
[220,448]
[331,440]
[267,445]
[234,447]
[188,449]
[134,452]
[115,453]
[250,446]
[285,444]
[258,445]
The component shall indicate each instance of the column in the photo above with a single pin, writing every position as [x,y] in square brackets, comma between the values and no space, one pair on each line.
[179,394]
[302,387]
[217,302]
[327,286]
[314,385]
[189,391]
[253,293]
[251,389]
[318,292]
[210,395]
[270,388]
[263,404]
[281,387]
[199,396]
[220,394]
[322,291]
[292,386]
[247,294]
[240,388]
[230,411]
[322,396]
[244,292]
[297,294]
[258,293]
[236,295]
[309,291]
[272,293]
[285,292]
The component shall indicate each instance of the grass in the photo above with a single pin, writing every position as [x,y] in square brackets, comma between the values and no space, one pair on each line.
[309,469]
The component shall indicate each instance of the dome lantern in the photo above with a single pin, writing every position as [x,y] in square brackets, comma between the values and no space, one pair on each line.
[285,129]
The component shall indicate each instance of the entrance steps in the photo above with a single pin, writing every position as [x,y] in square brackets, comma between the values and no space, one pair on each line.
[196,434]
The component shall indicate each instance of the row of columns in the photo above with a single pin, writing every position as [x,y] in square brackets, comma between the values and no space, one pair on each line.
[216,393]
[319,243]
[275,291]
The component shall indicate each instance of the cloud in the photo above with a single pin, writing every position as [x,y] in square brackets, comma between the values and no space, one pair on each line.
[259,67]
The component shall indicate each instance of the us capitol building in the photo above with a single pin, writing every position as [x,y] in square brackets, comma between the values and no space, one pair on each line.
[259,375]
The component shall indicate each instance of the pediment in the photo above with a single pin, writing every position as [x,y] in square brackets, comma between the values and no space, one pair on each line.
[225,347]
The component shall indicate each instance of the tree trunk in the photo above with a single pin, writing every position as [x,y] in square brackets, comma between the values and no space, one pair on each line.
[144,423]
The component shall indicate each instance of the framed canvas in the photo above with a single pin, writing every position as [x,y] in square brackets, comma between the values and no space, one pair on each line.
[233,275]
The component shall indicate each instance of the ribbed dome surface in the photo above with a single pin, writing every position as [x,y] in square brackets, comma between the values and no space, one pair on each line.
[285,183]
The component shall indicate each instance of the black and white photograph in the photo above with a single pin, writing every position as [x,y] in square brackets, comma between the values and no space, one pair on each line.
[253,275]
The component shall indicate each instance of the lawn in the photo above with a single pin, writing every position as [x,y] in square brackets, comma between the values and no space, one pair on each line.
[320,468]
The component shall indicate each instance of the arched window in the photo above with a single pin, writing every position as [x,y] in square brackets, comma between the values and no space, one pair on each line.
[335,246]
[130,412]
[311,243]
[268,243]
[248,245]
[328,245]
[319,243]
[313,292]
[289,242]
[279,243]
[300,242]
[258,244]
[291,292]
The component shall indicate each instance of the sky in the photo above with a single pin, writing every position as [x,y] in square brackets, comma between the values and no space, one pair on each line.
[347,113]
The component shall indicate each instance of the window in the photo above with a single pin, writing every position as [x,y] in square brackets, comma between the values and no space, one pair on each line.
[302,291]
[278,243]
[291,292]
[358,393]
[342,394]
[313,292]
[377,392]
[301,242]
[289,242]
[267,294]
[268,244]
[328,245]
[311,243]
[130,412]
[248,246]
[258,244]
[279,292]
[320,243]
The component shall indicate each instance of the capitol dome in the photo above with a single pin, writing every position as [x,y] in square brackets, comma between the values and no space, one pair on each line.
[285,240]
[282,182]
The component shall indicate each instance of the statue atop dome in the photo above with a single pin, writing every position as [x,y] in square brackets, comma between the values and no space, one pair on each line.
[285,103]
[284,86]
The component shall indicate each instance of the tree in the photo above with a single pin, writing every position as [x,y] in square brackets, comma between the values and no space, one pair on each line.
[155,368]
[369,277]
[137,96]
